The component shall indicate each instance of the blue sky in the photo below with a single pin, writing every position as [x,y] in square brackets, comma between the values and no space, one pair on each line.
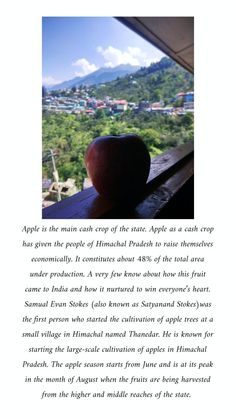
[76,46]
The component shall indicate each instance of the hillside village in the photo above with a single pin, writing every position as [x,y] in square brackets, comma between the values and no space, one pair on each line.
[79,101]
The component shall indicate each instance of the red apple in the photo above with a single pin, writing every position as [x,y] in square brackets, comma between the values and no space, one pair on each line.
[118,165]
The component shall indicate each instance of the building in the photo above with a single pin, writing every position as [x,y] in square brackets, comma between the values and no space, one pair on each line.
[185,97]
[120,105]
[189,97]
[179,95]
[82,103]
[90,112]
[168,110]
[156,105]
[189,106]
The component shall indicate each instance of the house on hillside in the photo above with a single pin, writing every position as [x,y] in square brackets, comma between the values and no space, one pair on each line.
[120,105]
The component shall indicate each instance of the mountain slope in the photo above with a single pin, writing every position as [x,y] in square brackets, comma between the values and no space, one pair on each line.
[162,80]
[65,84]
[102,75]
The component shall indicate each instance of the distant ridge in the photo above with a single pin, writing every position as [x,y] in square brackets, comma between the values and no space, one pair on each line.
[102,75]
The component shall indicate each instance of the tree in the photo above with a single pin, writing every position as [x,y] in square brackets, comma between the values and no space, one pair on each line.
[187,120]
[100,114]
[178,103]
[156,95]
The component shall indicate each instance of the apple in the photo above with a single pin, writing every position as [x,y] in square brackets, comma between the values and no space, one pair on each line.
[118,165]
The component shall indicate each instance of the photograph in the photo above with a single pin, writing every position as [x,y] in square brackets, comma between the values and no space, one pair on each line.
[117,117]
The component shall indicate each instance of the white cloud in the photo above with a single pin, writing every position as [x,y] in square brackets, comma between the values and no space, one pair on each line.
[114,56]
[50,81]
[136,52]
[132,55]
[84,67]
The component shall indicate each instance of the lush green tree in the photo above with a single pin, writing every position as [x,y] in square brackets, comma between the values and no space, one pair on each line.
[156,95]
[178,103]
[100,114]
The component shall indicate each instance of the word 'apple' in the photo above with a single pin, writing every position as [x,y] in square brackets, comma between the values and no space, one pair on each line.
[118,165]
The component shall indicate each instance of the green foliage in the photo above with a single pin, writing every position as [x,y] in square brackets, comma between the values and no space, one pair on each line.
[100,114]
[70,136]
[178,103]
[162,80]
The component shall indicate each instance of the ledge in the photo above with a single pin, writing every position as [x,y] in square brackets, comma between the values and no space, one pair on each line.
[170,175]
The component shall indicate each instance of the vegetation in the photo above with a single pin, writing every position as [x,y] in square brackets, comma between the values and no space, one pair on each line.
[159,81]
[70,136]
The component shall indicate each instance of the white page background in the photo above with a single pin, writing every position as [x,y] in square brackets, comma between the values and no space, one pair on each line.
[21,194]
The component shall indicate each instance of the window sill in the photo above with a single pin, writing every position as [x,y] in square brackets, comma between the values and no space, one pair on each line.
[169,191]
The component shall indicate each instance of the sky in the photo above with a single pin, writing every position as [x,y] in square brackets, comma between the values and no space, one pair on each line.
[77,46]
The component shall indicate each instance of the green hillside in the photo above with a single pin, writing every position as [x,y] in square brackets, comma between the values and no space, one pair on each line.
[162,80]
